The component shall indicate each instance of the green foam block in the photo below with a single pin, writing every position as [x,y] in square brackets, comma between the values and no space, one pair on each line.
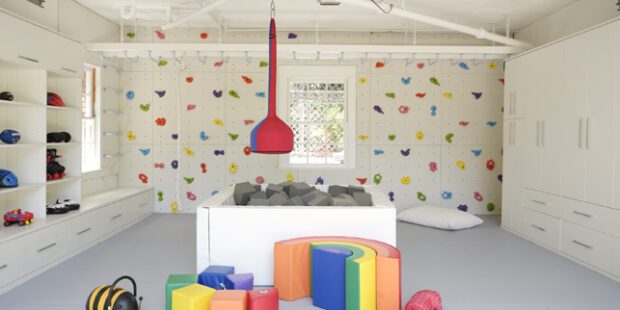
[176,281]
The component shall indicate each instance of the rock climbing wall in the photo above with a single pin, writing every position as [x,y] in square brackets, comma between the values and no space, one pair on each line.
[427,132]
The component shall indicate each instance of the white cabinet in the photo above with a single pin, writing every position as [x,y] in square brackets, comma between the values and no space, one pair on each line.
[512,175]
[589,116]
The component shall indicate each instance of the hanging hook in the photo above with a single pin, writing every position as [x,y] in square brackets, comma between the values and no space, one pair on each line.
[409,61]
[273,10]
[294,55]
[201,59]
[341,58]
[318,56]
[224,60]
[248,60]
[129,59]
[387,60]
[365,58]
[434,61]
[151,57]
[174,56]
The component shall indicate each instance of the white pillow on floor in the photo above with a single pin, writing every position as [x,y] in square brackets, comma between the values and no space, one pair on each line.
[437,217]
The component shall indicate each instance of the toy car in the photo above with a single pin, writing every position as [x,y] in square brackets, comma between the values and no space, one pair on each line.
[61,207]
[16,216]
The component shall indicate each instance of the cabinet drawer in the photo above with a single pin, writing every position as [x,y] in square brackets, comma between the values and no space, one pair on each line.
[591,247]
[115,216]
[83,230]
[541,228]
[598,218]
[543,203]
[44,246]
[11,261]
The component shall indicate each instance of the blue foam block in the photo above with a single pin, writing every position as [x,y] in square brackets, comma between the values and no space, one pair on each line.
[215,277]
[328,278]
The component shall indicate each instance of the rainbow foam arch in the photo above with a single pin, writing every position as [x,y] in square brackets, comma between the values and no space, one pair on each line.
[373,279]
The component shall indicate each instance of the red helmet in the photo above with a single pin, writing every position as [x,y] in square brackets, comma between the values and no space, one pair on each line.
[55,100]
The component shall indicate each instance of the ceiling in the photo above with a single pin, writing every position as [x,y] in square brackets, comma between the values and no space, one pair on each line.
[309,15]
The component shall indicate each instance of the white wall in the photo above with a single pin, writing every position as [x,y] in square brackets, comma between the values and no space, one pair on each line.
[573,18]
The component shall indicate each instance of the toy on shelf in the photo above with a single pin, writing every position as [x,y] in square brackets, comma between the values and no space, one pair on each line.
[106,297]
[62,206]
[10,136]
[55,171]
[58,137]
[424,300]
[6,95]
[54,100]
[19,217]
[8,179]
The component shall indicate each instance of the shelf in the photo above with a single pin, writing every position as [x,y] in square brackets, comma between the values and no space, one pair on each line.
[63,180]
[20,104]
[62,143]
[19,145]
[21,187]
[54,108]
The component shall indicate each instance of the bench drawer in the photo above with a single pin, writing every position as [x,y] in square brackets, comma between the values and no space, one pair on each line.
[542,228]
[44,246]
[589,246]
[11,261]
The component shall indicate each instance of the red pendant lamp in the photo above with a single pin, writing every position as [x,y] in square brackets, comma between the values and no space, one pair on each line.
[272,135]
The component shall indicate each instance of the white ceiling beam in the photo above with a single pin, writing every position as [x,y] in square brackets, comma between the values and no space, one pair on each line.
[478,33]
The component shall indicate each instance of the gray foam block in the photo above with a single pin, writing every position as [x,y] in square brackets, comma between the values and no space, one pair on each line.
[278,199]
[257,187]
[320,200]
[258,202]
[242,193]
[363,199]
[299,189]
[274,188]
[345,200]
[336,190]
[309,196]
[356,189]
[286,186]
[259,195]
[297,201]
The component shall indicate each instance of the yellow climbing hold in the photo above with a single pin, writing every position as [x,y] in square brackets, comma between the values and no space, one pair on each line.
[492,65]
[218,122]
[363,137]
[419,135]
[460,164]
[188,151]
[448,95]
[130,136]
[363,80]
[290,177]
[405,180]
[233,168]
[174,207]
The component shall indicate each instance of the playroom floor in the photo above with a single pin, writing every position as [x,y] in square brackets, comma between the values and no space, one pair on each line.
[481,268]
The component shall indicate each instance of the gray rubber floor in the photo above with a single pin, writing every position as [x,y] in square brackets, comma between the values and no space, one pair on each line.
[480,268]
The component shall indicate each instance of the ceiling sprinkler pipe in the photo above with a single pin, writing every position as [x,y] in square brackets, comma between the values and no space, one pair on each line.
[205,9]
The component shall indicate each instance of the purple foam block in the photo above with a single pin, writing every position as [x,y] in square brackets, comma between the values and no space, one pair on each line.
[215,276]
[242,281]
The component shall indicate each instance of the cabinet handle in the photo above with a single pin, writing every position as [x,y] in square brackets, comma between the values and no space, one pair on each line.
[542,133]
[587,133]
[537,133]
[539,202]
[83,231]
[3,266]
[514,103]
[582,214]
[28,59]
[115,217]
[580,132]
[587,246]
[46,247]
[68,70]
[538,227]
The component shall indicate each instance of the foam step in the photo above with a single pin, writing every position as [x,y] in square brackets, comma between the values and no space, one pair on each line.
[329,277]
[215,276]
[263,299]
[242,281]
[192,297]
[229,300]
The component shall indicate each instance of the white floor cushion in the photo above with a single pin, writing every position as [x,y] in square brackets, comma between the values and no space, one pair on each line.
[438,217]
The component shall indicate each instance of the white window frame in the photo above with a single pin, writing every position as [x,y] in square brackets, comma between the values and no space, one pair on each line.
[309,73]
[97,126]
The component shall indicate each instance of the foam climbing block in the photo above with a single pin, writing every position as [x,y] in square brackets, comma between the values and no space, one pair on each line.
[229,300]
[215,276]
[263,299]
[292,271]
[363,199]
[242,281]
[176,281]
[328,277]
[424,300]
[360,273]
[192,297]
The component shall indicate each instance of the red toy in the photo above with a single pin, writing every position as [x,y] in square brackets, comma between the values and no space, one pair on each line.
[16,216]
[424,300]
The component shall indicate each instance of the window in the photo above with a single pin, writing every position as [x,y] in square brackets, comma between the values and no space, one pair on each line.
[319,105]
[91,149]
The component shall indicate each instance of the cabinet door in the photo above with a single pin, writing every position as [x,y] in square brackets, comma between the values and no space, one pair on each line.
[601,85]
[617,133]
[550,101]
[532,118]
[573,117]
[512,186]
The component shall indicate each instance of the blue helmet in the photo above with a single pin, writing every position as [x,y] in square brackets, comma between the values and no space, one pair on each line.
[8,179]
[10,136]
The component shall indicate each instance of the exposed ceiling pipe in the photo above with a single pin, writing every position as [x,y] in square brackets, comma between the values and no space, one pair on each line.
[478,33]
[187,18]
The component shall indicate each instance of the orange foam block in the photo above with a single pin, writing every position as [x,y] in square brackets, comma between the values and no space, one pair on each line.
[292,269]
[229,300]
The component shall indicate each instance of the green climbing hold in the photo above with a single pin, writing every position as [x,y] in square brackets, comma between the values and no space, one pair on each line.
[160,196]
[233,93]
[233,136]
[377,178]
[131,34]
[263,64]
[188,180]
[449,137]
[391,137]
[490,207]
[162,63]
[421,196]
[434,81]
[390,95]
[145,107]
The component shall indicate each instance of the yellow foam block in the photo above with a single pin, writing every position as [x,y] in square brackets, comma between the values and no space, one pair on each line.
[192,297]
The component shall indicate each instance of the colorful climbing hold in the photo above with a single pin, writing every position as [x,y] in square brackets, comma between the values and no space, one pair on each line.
[234,94]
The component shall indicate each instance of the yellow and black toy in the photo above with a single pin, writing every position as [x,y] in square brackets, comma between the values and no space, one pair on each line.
[101,298]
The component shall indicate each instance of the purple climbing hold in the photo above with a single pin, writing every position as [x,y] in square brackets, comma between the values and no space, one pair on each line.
[217,93]
[319,181]
[463,207]
[378,109]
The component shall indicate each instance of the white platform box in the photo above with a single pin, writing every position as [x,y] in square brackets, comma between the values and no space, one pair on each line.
[243,236]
